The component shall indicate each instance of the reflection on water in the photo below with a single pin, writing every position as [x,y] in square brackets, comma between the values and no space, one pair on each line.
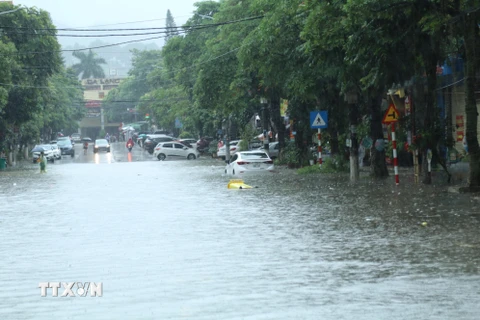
[169,241]
[103,158]
[129,157]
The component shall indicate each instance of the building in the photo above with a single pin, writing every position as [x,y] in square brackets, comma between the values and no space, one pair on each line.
[95,90]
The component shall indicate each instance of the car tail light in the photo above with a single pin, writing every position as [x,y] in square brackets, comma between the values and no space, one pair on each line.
[241,163]
[157,149]
[233,149]
[269,162]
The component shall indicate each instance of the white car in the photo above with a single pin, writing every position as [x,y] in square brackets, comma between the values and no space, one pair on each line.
[57,153]
[189,141]
[234,146]
[47,152]
[246,162]
[174,150]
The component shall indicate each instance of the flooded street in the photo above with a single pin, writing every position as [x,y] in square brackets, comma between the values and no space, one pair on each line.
[168,240]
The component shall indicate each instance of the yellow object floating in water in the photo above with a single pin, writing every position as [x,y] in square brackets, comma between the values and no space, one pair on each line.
[238,184]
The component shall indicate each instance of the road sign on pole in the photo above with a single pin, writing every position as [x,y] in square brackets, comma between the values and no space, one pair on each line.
[319,119]
[391,115]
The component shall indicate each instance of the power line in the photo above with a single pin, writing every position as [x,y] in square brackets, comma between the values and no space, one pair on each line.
[131,22]
[194,27]
[83,49]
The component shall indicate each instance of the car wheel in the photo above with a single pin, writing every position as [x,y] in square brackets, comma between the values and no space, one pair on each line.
[191,156]
[150,151]
[108,150]
[72,155]
[34,160]
[161,157]
[53,160]
[60,158]
[223,158]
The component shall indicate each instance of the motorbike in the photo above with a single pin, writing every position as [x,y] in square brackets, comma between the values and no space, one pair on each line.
[129,146]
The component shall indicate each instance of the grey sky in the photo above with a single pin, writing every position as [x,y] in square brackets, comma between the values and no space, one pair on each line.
[88,13]
[111,14]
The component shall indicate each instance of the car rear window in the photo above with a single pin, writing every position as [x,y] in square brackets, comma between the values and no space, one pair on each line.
[257,155]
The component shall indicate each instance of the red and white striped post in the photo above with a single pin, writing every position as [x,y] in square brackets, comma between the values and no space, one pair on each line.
[395,160]
[319,136]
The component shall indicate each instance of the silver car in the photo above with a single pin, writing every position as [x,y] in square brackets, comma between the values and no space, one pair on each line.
[272,149]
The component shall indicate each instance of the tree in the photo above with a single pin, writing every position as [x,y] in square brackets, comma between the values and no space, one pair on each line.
[171,27]
[26,34]
[471,44]
[89,65]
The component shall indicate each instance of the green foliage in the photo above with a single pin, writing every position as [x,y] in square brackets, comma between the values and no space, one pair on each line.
[171,26]
[310,170]
[213,146]
[185,134]
[248,134]
[290,155]
[330,165]
[102,134]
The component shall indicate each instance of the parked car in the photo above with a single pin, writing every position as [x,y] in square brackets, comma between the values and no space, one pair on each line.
[56,151]
[76,137]
[101,145]
[233,149]
[189,142]
[66,147]
[245,162]
[153,140]
[47,152]
[272,149]
[173,150]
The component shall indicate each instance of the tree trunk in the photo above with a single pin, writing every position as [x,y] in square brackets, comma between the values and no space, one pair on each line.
[378,165]
[430,114]
[354,169]
[278,120]
[470,101]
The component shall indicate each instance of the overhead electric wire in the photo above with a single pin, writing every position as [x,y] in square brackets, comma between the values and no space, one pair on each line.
[83,49]
[82,86]
[199,26]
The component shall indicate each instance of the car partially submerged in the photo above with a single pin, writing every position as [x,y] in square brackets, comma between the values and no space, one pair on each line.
[247,162]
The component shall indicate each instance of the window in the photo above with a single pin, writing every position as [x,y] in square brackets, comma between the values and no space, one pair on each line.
[167,145]
[179,146]
[257,155]
[235,157]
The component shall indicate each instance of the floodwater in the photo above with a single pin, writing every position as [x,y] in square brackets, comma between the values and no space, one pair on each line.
[168,240]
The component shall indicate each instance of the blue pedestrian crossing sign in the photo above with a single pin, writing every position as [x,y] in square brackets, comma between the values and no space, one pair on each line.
[318,119]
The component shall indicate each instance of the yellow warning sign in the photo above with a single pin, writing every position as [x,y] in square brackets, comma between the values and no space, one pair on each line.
[391,115]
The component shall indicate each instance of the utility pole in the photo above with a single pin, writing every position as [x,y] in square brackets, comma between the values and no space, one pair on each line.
[264,103]
[352,98]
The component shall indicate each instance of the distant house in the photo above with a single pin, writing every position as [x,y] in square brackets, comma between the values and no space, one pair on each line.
[95,90]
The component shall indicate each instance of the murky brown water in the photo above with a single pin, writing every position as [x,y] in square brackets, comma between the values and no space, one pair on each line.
[168,240]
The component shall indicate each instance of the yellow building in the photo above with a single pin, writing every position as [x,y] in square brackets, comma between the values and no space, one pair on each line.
[95,90]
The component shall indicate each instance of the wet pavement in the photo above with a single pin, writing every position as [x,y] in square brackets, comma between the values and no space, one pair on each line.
[168,240]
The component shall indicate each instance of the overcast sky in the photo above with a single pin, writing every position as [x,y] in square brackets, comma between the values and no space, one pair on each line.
[87,13]
[93,13]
